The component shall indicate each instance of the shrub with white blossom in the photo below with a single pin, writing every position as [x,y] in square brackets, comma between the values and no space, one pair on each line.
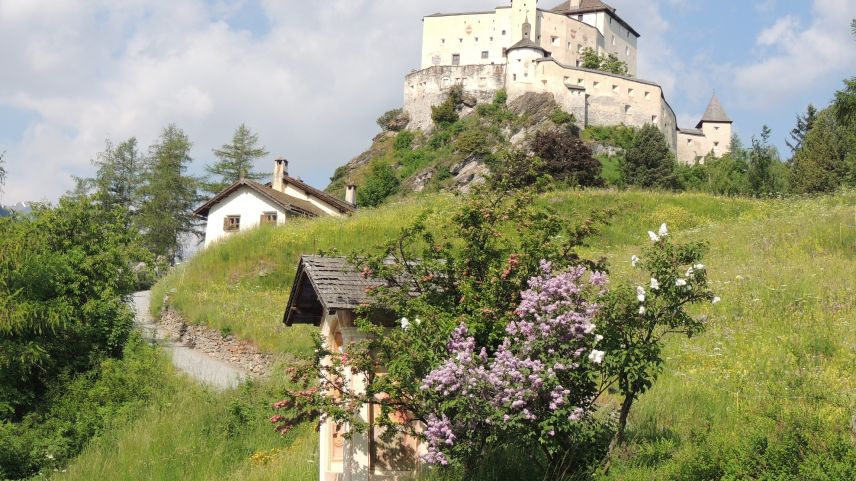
[515,339]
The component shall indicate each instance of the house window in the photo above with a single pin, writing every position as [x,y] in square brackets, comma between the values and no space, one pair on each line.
[627,51]
[485,54]
[613,40]
[456,59]
[580,18]
[269,218]
[232,223]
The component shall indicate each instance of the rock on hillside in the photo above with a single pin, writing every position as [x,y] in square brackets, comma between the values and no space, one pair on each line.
[457,157]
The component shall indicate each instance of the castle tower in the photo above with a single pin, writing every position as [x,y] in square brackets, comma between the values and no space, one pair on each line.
[716,126]
[523,11]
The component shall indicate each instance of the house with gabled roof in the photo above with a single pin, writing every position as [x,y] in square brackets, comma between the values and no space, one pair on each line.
[247,204]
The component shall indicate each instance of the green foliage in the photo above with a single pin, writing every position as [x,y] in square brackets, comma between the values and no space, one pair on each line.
[2,172]
[64,273]
[117,180]
[446,113]
[764,173]
[393,121]
[567,158]
[609,63]
[473,142]
[804,125]
[381,183]
[236,161]
[844,104]
[621,136]
[560,117]
[404,141]
[497,110]
[649,162]
[827,159]
[168,195]
[75,411]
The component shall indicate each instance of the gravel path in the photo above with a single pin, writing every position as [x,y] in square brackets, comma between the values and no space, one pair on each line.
[199,366]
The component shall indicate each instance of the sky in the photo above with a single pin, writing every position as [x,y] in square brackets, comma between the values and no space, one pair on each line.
[311,77]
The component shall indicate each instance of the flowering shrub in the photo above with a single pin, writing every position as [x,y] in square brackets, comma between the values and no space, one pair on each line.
[513,341]
[537,385]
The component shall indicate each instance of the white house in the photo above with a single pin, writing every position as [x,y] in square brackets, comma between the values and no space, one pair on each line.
[247,204]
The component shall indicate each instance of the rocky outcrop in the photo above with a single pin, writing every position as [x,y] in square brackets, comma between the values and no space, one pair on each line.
[213,343]
[468,173]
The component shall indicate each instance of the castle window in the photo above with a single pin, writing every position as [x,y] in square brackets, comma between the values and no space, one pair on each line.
[514,77]
[485,54]
[446,81]
[626,109]
[443,40]
[630,92]
[647,95]
[716,144]
[456,59]
[689,141]
[460,40]
[482,80]
[477,39]
[503,32]
[653,119]
[613,40]
[716,127]
[581,81]
[491,39]
[596,84]
[554,41]
[615,88]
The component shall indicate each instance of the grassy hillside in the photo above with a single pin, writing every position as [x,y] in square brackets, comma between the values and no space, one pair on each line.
[766,393]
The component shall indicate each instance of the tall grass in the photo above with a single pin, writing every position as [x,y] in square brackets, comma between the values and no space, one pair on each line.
[769,388]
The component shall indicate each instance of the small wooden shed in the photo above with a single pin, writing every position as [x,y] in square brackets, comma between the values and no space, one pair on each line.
[325,293]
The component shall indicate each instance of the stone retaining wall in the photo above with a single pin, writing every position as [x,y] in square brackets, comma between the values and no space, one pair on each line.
[242,354]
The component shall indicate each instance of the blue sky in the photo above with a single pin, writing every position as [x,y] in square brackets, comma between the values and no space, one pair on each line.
[311,77]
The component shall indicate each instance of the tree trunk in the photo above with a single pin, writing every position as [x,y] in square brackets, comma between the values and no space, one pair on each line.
[622,421]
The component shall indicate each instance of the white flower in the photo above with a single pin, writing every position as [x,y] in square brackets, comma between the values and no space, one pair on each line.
[640,294]
[655,284]
[405,323]
[596,356]
[641,310]
[690,272]
[664,230]
[680,282]
[590,328]
[598,338]
[50,457]
[634,260]
[699,267]
[417,321]
[716,300]
[654,237]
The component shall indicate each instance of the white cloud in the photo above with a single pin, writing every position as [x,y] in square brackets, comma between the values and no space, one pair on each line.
[791,58]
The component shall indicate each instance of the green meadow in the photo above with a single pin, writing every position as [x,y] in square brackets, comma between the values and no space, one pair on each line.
[766,393]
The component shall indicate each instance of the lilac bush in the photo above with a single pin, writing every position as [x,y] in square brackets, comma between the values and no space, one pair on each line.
[538,384]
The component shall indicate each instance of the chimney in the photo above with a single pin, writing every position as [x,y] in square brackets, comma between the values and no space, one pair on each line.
[351,193]
[280,172]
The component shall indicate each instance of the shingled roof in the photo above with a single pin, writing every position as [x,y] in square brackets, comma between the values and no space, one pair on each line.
[285,201]
[323,285]
[591,6]
[714,113]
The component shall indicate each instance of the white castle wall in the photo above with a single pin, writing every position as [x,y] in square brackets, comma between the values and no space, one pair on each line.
[428,87]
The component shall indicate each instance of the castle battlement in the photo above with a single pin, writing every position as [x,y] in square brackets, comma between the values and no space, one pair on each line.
[522,48]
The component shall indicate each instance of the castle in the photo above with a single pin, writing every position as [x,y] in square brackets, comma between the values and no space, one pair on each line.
[522,48]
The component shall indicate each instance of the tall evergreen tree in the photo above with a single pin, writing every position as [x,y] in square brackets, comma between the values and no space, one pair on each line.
[2,172]
[649,162]
[236,160]
[117,181]
[168,195]
[828,157]
[804,124]
[761,163]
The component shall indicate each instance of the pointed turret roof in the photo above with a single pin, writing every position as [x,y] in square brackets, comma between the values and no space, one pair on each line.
[714,113]
[526,41]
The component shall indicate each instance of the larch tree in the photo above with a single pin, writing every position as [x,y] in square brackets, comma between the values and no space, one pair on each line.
[118,178]
[168,195]
[236,160]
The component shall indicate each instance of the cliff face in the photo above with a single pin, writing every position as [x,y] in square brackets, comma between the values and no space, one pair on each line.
[458,156]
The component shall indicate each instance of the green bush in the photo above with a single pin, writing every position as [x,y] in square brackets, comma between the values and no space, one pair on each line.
[446,113]
[381,183]
[394,120]
[560,117]
[649,162]
[77,410]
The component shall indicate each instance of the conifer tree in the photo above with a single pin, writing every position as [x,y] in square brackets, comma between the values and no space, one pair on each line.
[761,163]
[649,162]
[804,125]
[2,172]
[236,160]
[168,195]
